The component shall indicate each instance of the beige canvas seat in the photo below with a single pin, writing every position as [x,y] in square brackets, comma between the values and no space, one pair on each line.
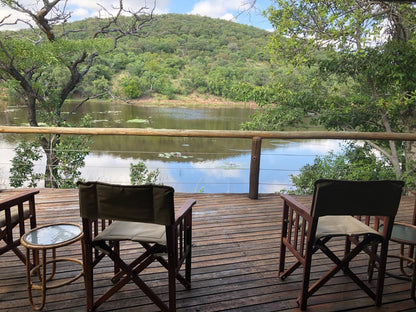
[14,210]
[144,214]
[351,209]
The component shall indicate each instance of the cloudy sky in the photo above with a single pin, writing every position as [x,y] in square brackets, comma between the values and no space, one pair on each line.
[226,9]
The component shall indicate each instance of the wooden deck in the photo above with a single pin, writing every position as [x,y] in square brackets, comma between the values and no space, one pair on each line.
[235,259]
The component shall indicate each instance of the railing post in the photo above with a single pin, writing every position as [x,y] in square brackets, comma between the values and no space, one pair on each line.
[255,168]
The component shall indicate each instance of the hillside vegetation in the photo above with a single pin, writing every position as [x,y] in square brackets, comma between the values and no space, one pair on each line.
[182,55]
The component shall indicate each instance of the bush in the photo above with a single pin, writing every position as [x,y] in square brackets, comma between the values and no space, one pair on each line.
[352,163]
[139,174]
[130,87]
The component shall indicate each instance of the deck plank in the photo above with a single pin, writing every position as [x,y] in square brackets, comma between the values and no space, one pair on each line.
[235,259]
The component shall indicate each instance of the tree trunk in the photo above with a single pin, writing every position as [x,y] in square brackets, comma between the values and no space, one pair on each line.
[51,171]
[31,111]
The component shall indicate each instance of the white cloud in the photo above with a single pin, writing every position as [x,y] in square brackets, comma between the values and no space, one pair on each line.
[159,6]
[104,7]
[228,17]
[9,22]
[217,8]
[81,13]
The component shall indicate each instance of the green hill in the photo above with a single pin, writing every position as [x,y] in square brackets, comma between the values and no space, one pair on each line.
[179,55]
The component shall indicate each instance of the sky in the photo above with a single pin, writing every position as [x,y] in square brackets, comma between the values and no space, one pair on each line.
[225,9]
[233,10]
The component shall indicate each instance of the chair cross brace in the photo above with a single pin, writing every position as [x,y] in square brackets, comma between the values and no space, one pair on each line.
[154,249]
[129,272]
[342,264]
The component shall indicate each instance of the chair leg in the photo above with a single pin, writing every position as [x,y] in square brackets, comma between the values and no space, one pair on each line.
[303,300]
[188,259]
[188,265]
[282,258]
[172,288]
[87,255]
[413,287]
[382,272]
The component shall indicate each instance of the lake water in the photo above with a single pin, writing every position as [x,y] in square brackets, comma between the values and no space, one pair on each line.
[219,165]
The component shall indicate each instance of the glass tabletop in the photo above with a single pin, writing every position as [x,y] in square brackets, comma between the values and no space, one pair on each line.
[53,234]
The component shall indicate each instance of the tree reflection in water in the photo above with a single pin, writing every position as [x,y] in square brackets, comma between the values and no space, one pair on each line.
[212,165]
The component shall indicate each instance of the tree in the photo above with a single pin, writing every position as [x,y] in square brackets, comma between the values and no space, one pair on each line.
[353,162]
[363,57]
[70,151]
[48,61]
[139,174]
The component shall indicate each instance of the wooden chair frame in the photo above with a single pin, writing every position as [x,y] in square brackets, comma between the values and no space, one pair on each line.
[299,229]
[9,207]
[178,249]
[404,234]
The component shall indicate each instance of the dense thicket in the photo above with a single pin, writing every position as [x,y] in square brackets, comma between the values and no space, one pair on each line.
[179,55]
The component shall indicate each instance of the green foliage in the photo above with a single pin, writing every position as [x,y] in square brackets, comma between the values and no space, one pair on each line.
[41,55]
[181,54]
[139,174]
[286,101]
[49,61]
[69,154]
[346,65]
[353,162]
[27,153]
[303,27]
[130,87]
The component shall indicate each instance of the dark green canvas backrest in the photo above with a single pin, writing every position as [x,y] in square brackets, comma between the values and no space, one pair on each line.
[139,203]
[366,198]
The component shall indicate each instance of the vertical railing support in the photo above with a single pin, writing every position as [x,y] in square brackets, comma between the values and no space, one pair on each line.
[255,168]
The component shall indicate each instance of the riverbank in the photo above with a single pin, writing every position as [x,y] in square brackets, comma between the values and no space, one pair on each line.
[191,100]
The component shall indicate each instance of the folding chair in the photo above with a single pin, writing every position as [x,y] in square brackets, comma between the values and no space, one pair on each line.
[144,214]
[13,212]
[334,205]
[404,234]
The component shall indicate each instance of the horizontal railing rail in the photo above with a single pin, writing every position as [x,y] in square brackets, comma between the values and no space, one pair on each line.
[336,135]
[255,136]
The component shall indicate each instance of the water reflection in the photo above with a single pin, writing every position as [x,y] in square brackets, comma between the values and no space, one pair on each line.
[228,174]
[211,165]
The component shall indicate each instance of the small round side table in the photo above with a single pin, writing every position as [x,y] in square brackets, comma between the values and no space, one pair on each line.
[41,239]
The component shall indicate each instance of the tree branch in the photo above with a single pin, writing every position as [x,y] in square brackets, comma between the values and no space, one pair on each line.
[140,19]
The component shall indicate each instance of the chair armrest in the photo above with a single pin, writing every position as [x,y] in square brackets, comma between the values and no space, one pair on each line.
[17,199]
[186,207]
[300,208]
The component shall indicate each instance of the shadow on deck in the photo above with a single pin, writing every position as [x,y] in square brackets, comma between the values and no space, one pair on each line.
[234,267]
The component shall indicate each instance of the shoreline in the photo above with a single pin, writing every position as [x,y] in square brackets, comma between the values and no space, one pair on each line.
[194,100]
[185,101]
[181,101]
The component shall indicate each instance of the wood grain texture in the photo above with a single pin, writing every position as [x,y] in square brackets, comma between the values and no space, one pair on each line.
[234,266]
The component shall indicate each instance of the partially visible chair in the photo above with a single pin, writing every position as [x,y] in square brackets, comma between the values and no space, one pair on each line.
[334,205]
[13,212]
[144,214]
[404,233]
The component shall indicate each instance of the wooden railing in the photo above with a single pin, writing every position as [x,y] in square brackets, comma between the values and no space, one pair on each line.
[255,136]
